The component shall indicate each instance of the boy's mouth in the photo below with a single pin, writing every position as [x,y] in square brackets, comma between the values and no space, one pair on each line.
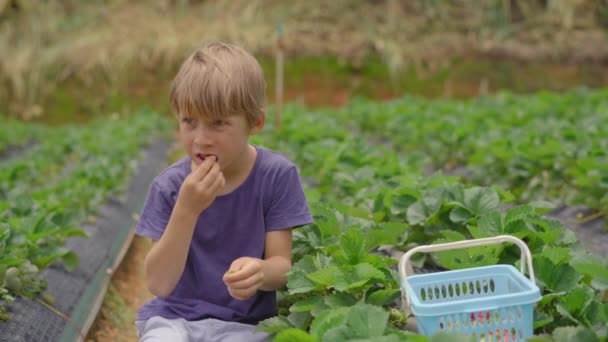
[202,156]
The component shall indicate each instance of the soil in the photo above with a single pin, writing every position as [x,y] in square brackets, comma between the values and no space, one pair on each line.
[115,322]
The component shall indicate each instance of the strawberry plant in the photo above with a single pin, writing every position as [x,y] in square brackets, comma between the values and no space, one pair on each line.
[372,196]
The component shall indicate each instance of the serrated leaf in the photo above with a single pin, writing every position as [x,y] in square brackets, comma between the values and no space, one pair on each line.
[574,303]
[541,207]
[327,320]
[340,299]
[307,304]
[383,296]
[354,277]
[518,213]
[300,320]
[274,325]
[555,278]
[597,272]
[353,246]
[460,215]
[366,321]
[443,336]
[479,200]
[325,277]
[572,334]
[294,335]
[558,255]
[416,213]
[386,233]
[298,282]
[490,224]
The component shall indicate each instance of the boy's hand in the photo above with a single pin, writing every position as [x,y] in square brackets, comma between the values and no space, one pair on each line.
[244,278]
[201,186]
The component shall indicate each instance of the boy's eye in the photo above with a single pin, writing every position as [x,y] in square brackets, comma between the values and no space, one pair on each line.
[219,122]
[188,121]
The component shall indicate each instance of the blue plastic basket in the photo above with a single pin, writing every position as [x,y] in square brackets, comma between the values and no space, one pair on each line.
[491,303]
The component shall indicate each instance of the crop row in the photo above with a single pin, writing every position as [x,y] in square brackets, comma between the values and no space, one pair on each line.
[367,196]
[540,146]
[38,211]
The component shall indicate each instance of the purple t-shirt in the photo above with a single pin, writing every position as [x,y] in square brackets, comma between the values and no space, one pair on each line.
[233,226]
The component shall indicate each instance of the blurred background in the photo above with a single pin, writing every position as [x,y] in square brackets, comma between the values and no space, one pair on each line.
[65,60]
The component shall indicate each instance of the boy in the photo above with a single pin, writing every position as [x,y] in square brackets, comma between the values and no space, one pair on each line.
[220,218]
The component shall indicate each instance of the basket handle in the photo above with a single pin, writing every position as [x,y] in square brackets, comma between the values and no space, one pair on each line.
[526,256]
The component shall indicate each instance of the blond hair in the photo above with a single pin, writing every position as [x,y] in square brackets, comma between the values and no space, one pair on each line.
[219,80]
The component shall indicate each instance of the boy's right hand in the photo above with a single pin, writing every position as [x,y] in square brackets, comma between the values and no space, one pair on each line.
[201,186]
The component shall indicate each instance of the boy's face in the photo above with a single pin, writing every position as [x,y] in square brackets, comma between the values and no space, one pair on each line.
[226,139]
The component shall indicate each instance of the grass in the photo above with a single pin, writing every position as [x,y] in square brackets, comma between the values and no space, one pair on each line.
[364,47]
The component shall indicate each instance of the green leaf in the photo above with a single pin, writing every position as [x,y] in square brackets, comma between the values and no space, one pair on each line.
[353,277]
[490,224]
[555,278]
[300,320]
[325,277]
[325,218]
[388,338]
[480,200]
[306,304]
[574,334]
[274,325]
[541,207]
[557,255]
[417,213]
[518,213]
[353,246]
[298,282]
[505,196]
[597,272]
[426,207]
[386,233]
[450,337]
[340,299]
[327,320]
[367,321]
[460,215]
[294,335]
[382,297]
[573,304]
[70,261]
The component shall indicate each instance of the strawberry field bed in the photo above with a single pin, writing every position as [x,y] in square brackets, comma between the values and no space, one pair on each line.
[67,212]
[532,166]
[369,197]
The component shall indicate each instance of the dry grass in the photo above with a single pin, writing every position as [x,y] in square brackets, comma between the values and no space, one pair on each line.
[126,293]
[103,46]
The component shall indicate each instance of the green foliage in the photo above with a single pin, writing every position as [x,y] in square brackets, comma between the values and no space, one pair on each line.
[47,193]
[369,196]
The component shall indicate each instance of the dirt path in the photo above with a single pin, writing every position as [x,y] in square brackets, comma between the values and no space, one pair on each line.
[126,293]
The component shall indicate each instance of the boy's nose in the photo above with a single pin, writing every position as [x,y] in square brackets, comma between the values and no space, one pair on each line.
[204,136]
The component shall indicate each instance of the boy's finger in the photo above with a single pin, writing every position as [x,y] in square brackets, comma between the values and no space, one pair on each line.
[233,275]
[211,177]
[246,283]
[203,168]
[218,183]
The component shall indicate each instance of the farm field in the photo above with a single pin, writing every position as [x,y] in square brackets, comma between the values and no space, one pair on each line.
[374,195]
[414,125]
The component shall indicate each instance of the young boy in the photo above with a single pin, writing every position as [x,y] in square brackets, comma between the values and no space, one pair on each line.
[221,217]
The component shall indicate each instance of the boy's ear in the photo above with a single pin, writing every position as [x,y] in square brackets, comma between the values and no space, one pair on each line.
[259,124]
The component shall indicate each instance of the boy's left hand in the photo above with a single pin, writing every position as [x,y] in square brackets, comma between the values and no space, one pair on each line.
[244,278]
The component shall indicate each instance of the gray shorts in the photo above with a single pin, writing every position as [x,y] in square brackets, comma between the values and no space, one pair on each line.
[208,330]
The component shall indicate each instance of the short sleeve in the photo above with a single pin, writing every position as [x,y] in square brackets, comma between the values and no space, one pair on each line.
[155,214]
[288,206]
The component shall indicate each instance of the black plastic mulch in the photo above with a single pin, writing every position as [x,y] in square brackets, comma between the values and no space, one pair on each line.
[74,291]
[592,234]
